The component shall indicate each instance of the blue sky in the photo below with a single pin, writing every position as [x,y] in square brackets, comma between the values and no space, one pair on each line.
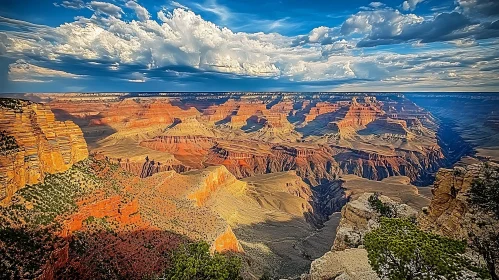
[223,45]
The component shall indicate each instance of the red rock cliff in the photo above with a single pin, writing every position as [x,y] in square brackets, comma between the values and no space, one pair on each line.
[42,145]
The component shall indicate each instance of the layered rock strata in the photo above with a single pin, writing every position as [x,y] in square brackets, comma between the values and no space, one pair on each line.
[43,145]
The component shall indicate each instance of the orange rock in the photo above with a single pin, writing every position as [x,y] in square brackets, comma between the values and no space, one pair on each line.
[45,146]
[227,241]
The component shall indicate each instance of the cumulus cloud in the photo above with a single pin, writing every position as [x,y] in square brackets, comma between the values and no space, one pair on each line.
[182,45]
[140,11]
[106,9]
[410,5]
[322,35]
[21,71]
[389,26]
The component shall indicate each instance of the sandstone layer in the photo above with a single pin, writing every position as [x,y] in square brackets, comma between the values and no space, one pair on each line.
[42,145]
[255,134]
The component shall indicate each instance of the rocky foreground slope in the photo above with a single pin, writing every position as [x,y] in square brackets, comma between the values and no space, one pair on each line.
[34,144]
[450,213]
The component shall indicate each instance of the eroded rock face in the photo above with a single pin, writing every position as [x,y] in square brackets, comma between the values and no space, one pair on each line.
[44,145]
[450,212]
[376,166]
[314,164]
[358,115]
[210,180]
[368,137]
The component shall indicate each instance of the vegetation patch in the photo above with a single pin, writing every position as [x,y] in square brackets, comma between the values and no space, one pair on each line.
[484,191]
[12,104]
[399,250]
[384,209]
[8,144]
[194,261]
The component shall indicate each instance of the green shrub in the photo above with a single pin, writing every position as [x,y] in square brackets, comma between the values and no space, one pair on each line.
[194,261]
[484,191]
[398,250]
[384,209]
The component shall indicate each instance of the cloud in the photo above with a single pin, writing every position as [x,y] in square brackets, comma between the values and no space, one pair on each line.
[71,4]
[106,8]
[176,4]
[410,5]
[21,71]
[137,77]
[376,5]
[211,6]
[322,35]
[389,26]
[184,48]
[477,8]
[141,12]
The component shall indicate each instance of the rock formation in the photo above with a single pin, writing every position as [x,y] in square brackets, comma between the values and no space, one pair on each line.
[451,213]
[342,265]
[358,218]
[369,137]
[42,145]
[347,259]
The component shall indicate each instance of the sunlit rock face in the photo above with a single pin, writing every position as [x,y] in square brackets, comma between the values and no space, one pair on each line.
[39,145]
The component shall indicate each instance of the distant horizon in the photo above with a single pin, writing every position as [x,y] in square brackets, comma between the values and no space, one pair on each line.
[249,91]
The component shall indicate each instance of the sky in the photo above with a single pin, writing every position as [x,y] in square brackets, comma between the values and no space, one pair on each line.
[250,45]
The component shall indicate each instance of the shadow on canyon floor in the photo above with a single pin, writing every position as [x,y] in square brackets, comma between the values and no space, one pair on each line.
[293,245]
[91,133]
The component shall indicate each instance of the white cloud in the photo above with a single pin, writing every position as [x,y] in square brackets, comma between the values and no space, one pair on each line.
[410,5]
[21,71]
[137,77]
[376,5]
[71,4]
[140,11]
[211,6]
[106,8]
[178,5]
[382,23]
[184,40]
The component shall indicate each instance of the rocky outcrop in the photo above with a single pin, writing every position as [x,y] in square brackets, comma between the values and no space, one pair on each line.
[358,218]
[358,115]
[210,180]
[451,213]
[132,113]
[321,108]
[43,145]
[350,264]
[227,241]
[347,259]
[313,164]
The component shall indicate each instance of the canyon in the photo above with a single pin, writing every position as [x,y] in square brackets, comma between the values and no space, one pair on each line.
[280,179]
